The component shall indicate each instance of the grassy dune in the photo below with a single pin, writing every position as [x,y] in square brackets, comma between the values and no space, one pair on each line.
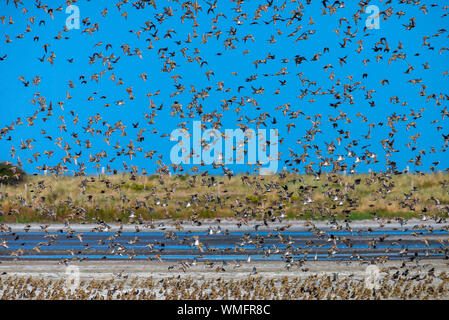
[146,198]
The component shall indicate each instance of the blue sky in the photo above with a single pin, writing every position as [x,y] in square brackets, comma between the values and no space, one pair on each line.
[89,98]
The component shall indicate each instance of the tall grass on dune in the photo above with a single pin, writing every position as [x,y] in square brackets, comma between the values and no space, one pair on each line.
[141,199]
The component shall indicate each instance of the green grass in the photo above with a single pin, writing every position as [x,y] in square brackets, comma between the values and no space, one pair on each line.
[113,198]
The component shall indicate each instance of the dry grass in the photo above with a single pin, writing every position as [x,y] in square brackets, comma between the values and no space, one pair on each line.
[110,198]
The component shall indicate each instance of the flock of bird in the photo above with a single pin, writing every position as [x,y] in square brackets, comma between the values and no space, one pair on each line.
[88,143]
[333,76]
[403,282]
[85,144]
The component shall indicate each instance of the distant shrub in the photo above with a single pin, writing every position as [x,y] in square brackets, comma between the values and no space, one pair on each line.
[10,174]
[136,186]
[181,177]
[252,199]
